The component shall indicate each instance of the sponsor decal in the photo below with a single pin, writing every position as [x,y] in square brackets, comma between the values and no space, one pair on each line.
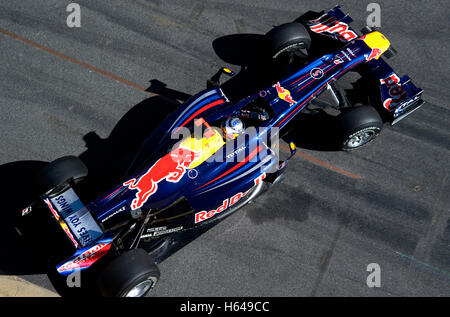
[68,233]
[284,94]
[50,206]
[84,227]
[346,56]
[338,60]
[26,211]
[263,93]
[396,92]
[193,173]
[227,203]
[376,52]
[402,108]
[67,203]
[235,152]
[114,213]
[316,73]
[61,223]
[339,30]
[260,179]
[170,168]
[79,223]
[159,231]
[351,52]
[87,258]
[204,215]
[155,229]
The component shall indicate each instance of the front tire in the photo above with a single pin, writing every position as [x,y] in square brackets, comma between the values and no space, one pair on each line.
[287,39]
[358,126]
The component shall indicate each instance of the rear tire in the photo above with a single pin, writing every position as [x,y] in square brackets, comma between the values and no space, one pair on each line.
[62,170]
[132,274]
[358,126]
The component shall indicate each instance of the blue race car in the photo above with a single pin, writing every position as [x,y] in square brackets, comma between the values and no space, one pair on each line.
[218,151]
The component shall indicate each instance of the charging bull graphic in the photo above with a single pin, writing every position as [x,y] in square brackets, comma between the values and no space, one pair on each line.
[375,54]
[170,167]
[284,94]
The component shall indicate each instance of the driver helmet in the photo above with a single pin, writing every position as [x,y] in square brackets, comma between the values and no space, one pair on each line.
[232,127]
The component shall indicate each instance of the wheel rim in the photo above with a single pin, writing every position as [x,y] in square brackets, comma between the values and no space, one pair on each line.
[361,138]
[289,49]
[140,289]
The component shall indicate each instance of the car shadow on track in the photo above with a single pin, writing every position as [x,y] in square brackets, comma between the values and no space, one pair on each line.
[314,130]
[17,190]
[107,161]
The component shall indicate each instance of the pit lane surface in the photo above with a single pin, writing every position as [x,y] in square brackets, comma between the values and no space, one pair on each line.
[315,233]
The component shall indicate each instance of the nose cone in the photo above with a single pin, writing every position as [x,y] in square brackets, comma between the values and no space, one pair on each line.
[377,40]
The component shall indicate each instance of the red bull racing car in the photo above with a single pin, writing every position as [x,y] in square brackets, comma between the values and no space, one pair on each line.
[217,152]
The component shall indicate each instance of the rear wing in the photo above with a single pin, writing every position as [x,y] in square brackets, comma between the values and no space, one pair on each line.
[87,236]
[399,96]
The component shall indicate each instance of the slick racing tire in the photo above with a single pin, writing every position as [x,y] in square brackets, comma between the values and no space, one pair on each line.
[132,274]
[62,170]
[287,39]
[358,126]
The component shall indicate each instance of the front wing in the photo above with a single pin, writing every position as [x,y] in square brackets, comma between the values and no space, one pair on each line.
[399,96]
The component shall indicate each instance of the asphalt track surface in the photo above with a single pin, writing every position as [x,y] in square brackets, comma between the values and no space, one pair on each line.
[335,212]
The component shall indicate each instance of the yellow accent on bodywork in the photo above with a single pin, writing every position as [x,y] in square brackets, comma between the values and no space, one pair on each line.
[377,40]
[206,146]
[292,146]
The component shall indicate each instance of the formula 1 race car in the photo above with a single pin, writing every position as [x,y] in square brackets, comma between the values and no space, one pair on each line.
[217,152]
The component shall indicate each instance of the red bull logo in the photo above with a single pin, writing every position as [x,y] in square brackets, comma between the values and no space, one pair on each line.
[284,94]
[330,25]
[170,167]
[227,203]
[376,52]
[204,215]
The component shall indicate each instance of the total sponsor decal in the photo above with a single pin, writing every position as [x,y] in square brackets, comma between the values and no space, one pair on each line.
[170,167]
[86,258]
[395,90]
[227,203]
[284,94]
